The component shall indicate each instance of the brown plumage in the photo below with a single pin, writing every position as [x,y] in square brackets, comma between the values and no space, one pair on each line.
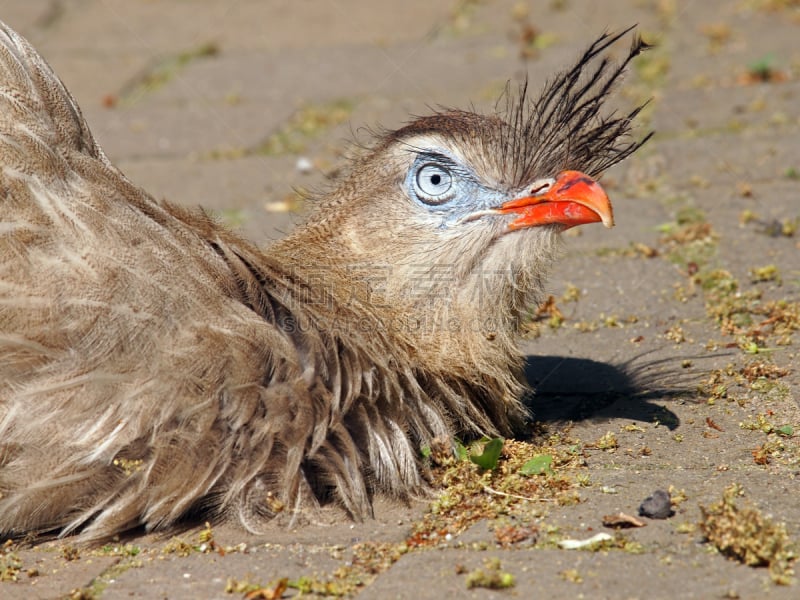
[155,364]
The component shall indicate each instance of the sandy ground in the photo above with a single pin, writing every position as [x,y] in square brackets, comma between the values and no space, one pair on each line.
[670,336]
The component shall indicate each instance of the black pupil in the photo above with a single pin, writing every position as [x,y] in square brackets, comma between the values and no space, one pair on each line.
[436,179]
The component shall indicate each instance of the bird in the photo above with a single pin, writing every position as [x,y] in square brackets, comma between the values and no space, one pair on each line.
[157,367]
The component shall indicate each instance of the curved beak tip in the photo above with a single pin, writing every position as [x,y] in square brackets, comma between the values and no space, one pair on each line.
[573,199]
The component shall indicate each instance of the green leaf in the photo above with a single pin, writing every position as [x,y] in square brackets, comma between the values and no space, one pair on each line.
[491,453]
[786,430]
[461,450]
[665,228]
[539,464]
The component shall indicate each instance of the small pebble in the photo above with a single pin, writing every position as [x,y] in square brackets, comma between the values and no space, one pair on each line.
[656,506]
[304,165]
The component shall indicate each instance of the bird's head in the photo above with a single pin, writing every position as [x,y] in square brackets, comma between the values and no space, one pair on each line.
[454,218]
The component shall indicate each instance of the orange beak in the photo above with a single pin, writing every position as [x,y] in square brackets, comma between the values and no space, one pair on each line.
[574,199]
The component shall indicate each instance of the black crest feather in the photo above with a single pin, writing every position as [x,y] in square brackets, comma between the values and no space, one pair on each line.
[564,128]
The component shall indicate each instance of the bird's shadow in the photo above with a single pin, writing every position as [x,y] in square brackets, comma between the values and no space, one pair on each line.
[578,389]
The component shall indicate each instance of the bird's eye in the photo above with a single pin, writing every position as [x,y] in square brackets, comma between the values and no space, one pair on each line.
[434,184]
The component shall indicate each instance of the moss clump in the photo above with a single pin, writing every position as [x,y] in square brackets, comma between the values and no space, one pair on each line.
[744,534]
[10,563]
[491,576]
[308,124]
[765,273]
[162,73]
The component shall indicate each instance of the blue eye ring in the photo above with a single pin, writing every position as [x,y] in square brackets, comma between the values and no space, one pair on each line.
[434,183]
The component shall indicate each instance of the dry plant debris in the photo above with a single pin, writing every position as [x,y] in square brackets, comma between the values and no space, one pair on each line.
[470,493]
[744,534]
[10,563]
[308,124]
[491,576]
[622,521]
